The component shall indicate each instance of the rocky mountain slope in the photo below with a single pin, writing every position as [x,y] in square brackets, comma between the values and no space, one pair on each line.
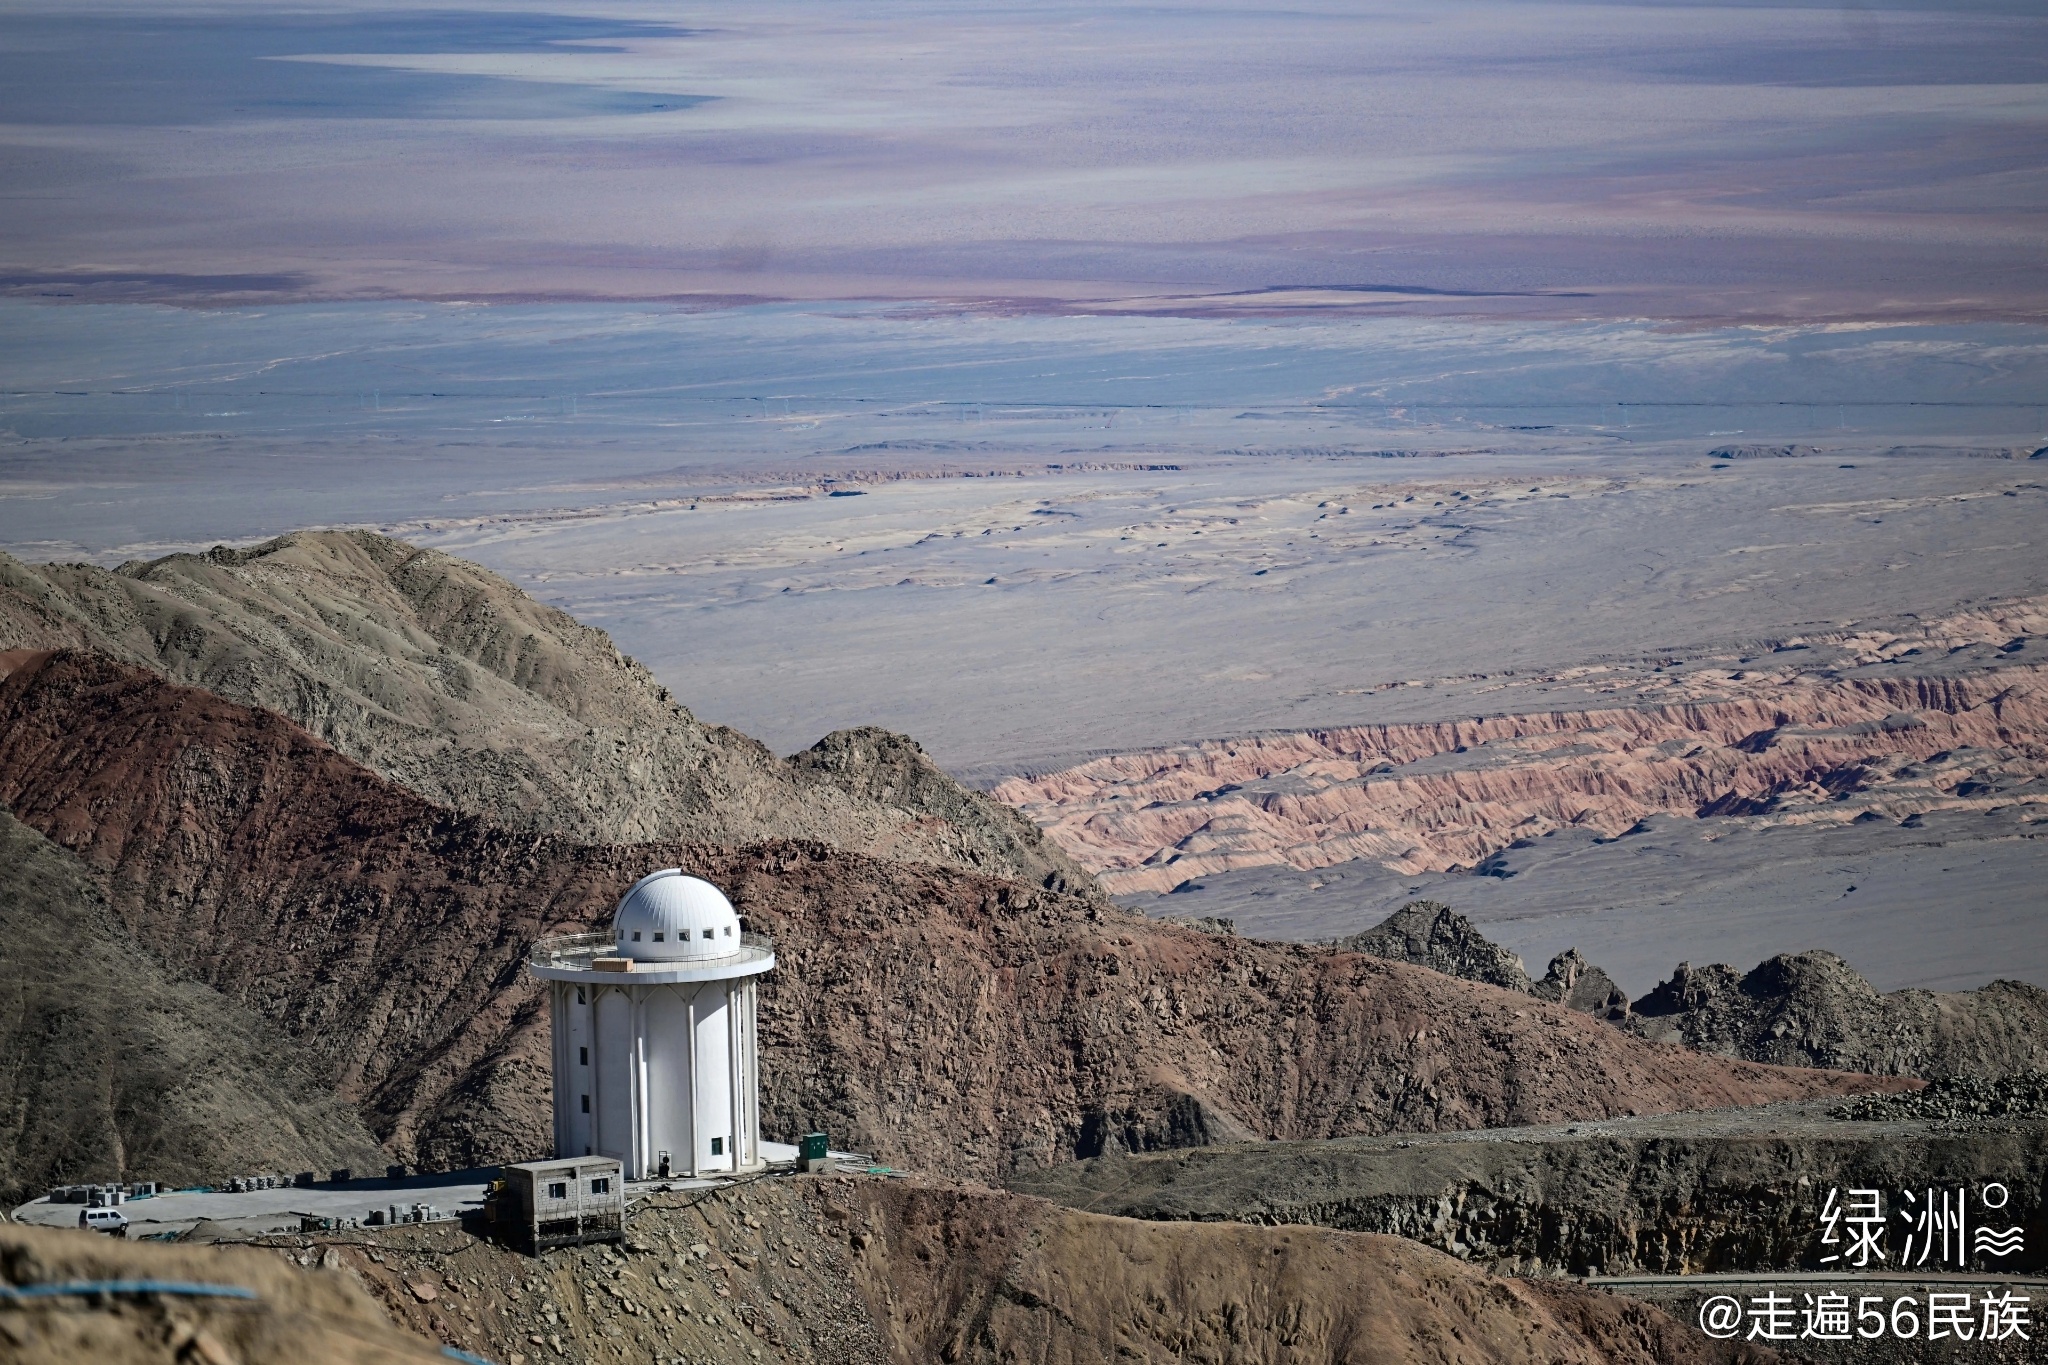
[1952,715]
[111,1064]
[970,1276]
[1726,1192]
[450,681]
[1797,1009]
[860,1271]
[291,1318]
[1813,1009]
[935,1016]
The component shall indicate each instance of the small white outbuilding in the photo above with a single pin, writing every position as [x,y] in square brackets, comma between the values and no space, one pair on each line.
[656,1061]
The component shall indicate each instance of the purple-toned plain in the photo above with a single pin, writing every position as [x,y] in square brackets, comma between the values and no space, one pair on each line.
[1690,161]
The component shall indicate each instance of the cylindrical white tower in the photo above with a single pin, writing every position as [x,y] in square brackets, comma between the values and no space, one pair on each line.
[655,1055]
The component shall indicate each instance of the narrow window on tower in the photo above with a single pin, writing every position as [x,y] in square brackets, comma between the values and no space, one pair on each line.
[636,936]
[586,1104]
[579,995]
[583,1056]
[707,933]
[658,936]
[728,931]
[718,1146]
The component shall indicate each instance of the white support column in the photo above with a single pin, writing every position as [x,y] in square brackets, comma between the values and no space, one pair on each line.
[564,1078]
[754,1070]
[732,1075]
[691,1053]
[741,1147]
[636,1158]
[595,995]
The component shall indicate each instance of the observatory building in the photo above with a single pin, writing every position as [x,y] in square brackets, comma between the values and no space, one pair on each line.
[656,1061]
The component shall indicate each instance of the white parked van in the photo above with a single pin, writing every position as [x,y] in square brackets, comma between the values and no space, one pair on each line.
[110,1221]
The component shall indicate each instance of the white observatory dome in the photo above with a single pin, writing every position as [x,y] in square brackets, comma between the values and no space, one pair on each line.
[668,917]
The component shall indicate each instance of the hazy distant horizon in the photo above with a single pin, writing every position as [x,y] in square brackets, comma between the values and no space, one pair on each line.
[1514,158]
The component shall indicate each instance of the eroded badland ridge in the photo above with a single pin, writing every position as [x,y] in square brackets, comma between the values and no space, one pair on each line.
[1827,727]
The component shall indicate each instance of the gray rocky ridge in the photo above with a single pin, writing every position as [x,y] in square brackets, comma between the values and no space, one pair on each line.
[1577,984]
[1807,1009]
[1814,1009]
[448,680]
[1959,1099]
[1431,934]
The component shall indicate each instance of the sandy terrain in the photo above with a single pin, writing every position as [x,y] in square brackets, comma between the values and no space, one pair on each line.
[1678,610]
[1132,608]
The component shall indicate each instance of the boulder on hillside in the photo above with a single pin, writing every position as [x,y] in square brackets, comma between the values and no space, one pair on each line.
[1578,985]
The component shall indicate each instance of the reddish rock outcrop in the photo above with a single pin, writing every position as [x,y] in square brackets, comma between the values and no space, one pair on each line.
[933,1016]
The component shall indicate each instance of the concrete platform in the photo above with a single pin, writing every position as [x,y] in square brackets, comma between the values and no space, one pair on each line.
[258,1211]
[255,1212]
